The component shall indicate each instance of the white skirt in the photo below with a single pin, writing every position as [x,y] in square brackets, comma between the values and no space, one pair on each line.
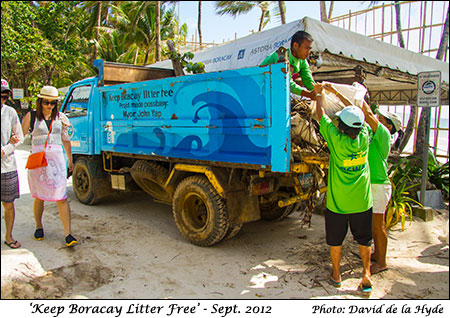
[49,183]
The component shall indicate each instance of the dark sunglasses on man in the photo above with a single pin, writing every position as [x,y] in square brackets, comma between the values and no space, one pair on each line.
[4,96]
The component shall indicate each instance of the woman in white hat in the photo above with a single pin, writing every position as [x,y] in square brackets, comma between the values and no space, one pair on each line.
[11,136]
[50,183]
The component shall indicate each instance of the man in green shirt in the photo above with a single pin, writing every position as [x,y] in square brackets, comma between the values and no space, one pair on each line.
[349,196]
[380,146]
[301,45]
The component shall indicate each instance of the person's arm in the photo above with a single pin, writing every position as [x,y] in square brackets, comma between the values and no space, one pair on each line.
[306,76]
[26,121]
[318,89]
[371,119]
[16,137]
[343,98]
[270,59]
[68,149]
[66,139]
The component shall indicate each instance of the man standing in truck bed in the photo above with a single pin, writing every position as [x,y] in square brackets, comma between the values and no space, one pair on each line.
[301,45]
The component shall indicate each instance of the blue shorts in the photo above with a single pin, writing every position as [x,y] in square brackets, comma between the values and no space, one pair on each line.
[336,226]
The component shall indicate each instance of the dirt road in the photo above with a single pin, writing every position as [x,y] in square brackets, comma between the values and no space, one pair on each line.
[130,248]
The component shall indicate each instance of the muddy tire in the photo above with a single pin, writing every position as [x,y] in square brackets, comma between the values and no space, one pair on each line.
[233,229]
[151,178]
[199,212]
[90,182]
[272,212]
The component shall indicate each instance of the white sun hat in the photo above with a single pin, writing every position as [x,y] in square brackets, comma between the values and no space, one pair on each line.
[49,92]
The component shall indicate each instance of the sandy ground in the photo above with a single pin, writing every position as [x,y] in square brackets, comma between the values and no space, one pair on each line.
[130,248]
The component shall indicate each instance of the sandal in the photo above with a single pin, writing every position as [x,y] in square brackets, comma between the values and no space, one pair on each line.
[71,241]
[13,245]
[365,289]
[336,284]
[39,234]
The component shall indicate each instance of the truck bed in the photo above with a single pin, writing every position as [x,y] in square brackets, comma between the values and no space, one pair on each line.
[238,117]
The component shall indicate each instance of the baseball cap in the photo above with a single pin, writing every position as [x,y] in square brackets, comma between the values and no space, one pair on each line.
[352,116]
[5,86]
[395,119]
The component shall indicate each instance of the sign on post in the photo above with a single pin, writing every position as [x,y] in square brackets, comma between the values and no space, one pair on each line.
[17,93]
[428,95]
[429,89]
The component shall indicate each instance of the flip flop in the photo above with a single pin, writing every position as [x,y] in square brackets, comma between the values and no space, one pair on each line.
[12,244]
[366,290]
[336,284]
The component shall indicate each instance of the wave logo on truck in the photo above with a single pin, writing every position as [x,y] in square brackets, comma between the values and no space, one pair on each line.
[206,119]
[227,112]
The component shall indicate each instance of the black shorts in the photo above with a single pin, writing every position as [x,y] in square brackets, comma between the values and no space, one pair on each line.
[336,226]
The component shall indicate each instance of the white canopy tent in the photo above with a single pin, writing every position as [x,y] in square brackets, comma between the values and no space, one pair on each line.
[389,72]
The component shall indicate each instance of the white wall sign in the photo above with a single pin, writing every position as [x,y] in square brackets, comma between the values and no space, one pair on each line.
[429,89]
[17,93]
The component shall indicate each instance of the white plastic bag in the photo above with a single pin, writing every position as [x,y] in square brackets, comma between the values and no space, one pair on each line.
[332,104]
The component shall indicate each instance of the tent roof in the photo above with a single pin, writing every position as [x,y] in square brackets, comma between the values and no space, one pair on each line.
[358,47]
[385,67]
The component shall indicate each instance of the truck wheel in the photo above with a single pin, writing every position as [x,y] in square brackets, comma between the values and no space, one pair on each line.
[86,182]
[151,177]
[199,212]
[272,212]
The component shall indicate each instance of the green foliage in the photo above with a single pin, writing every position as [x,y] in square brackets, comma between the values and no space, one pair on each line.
[404,166]
[52,42]
[399,205]
[114,47]
[405,175]
[184,59]
[41,45]
[438,175]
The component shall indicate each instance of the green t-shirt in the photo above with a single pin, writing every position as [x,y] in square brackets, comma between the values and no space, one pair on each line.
[379,149]
[349,188]
[298,66]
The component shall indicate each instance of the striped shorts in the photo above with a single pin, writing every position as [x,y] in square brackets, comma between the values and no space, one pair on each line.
[10,186]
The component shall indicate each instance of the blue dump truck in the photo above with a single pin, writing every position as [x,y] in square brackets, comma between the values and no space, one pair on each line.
[216,146]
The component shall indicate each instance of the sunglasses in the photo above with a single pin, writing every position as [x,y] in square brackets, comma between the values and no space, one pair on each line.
[5,96]
[46,102]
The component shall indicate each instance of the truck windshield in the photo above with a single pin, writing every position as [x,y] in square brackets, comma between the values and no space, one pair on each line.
[77,102]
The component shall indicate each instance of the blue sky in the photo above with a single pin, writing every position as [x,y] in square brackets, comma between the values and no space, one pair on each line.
[223,28]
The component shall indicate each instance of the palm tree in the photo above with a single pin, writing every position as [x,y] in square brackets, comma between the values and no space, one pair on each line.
[235,8]
[412,116]
[324,17]
[444,40]
[113,47]
[158,31]
[99,16]
[282,10]
[199,23]
[426,112]
[138,19]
